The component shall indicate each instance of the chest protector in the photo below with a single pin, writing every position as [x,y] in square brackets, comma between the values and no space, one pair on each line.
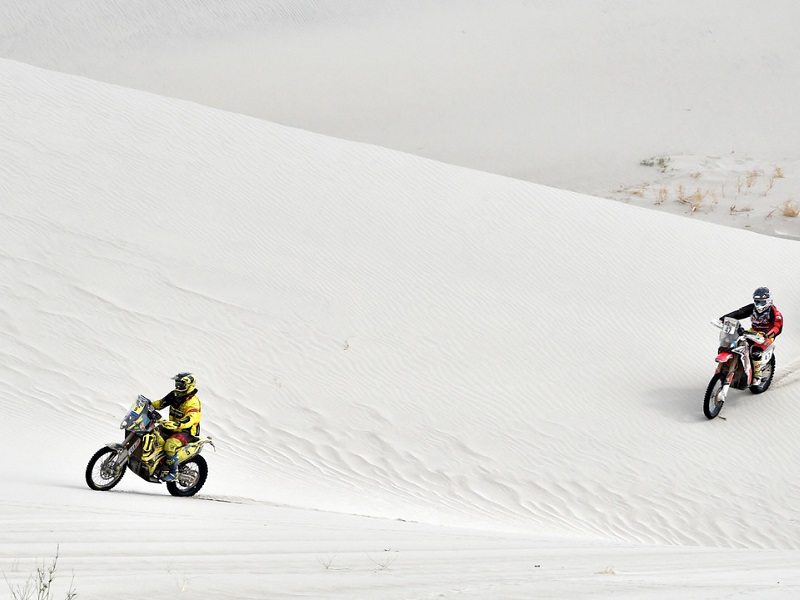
[762,322]
[184,410]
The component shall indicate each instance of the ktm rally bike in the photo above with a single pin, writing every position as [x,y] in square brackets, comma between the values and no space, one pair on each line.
[142,452]
[735,365]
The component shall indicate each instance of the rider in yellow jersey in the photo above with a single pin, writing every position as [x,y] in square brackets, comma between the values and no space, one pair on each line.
[184,419]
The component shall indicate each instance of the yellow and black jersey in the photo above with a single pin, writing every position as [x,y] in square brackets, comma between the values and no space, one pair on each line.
[183,410]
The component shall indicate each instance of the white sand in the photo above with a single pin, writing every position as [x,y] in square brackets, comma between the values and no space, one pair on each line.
[424,381]
[568,94]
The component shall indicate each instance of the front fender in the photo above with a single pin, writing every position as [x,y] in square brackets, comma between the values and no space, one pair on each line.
[122,452]
[724,356]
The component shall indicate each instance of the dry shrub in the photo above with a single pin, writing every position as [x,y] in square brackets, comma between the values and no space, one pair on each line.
[790,208]
[681,195]
[40,584]
[751,178]
[662,162]
[777,173]
[695,201]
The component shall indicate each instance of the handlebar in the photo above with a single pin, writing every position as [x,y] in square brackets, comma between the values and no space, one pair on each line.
[758,338]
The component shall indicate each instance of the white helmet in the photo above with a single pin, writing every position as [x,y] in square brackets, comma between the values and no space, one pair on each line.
[762,299]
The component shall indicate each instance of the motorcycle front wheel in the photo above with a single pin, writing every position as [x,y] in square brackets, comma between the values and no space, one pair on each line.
[711,403]
[191,476]
[101,472]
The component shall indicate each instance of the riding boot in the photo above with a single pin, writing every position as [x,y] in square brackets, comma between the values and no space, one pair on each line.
[172,465]
[757,367]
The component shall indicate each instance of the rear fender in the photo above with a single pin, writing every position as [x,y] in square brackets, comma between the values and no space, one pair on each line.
[193,449]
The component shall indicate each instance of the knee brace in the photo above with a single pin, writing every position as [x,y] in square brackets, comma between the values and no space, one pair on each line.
[172,445]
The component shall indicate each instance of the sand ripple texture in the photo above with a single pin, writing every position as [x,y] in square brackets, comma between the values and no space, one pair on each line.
[381,334]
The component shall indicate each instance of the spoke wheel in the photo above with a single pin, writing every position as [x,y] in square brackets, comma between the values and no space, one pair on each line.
[101,472]
[767,372]
[191,476]
[711,403]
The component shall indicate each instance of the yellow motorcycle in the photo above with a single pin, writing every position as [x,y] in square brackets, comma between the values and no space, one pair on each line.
[142,452]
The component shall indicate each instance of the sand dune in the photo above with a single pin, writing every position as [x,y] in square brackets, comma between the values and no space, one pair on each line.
[395,343]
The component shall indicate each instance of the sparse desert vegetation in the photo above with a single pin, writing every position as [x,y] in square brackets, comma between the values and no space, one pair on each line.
[39,585]
[679,181]
[791,208]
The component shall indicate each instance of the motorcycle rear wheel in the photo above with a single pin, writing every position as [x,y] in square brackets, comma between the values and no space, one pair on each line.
[100,472]
[711,405]
[769,371]
[191,476]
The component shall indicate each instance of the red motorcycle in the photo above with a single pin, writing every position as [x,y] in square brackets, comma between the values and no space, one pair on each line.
[735,365]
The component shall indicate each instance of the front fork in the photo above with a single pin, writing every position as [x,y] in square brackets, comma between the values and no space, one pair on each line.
[723,392]
[744,358]
[124,450]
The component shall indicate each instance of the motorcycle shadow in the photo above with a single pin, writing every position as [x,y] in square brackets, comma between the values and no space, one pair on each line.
[683,404]
[156,492]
